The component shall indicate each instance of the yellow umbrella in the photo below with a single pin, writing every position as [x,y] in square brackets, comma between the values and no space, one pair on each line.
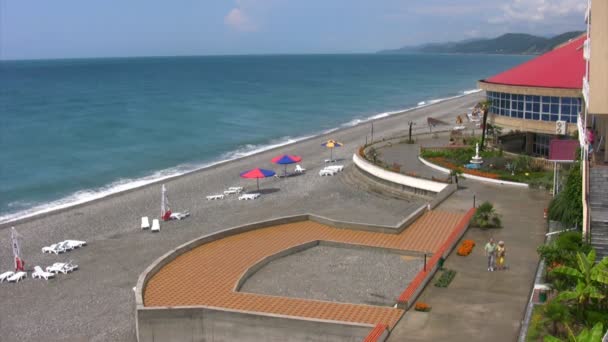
[331,144]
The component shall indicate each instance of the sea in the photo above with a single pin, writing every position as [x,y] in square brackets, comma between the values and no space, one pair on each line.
[74,130]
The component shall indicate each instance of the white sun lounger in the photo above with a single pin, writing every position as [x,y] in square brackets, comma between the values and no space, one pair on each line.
[74,243]
[58,267]
[327,172]
[145,222]
[17,277]
[232,191]
[458,128]
[215,197]
[337,168]
[54,248]
[155,226]
[180,216]
[237,188]
[62,267]
[330,160]
[249,196]
[40,273]
[4,276]
[66,245]
[299,169]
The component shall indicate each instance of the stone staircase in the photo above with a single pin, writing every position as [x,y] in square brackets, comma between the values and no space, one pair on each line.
[598,202]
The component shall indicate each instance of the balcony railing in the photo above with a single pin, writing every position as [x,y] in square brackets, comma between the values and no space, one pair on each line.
[587,49]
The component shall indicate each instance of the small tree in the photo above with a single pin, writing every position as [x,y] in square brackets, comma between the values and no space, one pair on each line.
[590,278]
[586,335]
[486,216]
[485,106]
[556,315]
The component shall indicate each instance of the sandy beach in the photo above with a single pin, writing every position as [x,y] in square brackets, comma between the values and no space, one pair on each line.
[96,303]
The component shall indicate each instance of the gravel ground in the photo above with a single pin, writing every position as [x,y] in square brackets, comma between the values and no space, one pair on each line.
[371,276]
[97,303]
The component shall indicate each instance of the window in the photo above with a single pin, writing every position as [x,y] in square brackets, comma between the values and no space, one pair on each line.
[533,107]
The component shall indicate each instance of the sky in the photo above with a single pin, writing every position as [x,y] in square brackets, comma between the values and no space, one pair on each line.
[35,29]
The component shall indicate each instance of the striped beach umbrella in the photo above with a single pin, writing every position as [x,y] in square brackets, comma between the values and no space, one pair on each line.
[330,144]
[286,159]
[257,173]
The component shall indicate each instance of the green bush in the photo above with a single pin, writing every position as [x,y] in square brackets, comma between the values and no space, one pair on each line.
[567,206]
[446,278]
[562,250]
[486,217]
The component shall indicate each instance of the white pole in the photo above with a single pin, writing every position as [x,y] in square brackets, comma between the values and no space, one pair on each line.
[162,201]
[554,178]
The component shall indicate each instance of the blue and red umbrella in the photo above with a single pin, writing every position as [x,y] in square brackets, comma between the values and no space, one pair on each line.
[257,173]
[286,159]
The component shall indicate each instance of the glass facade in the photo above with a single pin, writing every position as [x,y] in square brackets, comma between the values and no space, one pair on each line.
[531,107]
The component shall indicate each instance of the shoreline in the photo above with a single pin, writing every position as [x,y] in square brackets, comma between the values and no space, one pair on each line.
[119,250]
[62,207]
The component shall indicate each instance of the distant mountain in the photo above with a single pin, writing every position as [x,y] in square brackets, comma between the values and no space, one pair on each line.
[510,43]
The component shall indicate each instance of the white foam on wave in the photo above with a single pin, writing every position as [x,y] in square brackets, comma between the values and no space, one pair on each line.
[121,185]
[472,91]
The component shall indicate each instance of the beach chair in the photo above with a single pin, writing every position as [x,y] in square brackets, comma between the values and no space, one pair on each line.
[17,277]
[215,197]
[40,273]
[458,128]
[75,243]
[58,267]
[4,276]
[299,169]
[337,168]
[232,191]
[155,226]
[249,196]
[330,160]
[66,245]
[327,172]
[54,248]
[236,188]
[180,215]
[145,222]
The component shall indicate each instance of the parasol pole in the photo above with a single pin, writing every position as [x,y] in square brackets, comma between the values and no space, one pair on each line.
[257,180]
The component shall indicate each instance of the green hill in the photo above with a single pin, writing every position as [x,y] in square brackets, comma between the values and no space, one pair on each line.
[510,43]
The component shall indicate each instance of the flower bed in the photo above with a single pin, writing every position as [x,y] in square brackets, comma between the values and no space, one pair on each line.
[446,278]
[466,247]
[522,169]
[443,162]
[424,307]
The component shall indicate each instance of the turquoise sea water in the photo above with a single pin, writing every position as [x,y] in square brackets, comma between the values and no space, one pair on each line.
[74,130]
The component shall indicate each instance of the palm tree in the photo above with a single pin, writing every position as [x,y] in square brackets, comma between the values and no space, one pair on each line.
[485,106]
[590,279]
[586,335]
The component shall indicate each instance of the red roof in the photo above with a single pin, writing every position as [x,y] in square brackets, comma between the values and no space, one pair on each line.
[563,150]
[563,67]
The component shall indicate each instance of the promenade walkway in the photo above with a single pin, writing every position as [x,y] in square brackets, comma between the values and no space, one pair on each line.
[208,274]
[479,305]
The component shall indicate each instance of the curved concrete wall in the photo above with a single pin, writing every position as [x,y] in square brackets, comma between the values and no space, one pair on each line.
[398,178]
[469,176]
[188,323]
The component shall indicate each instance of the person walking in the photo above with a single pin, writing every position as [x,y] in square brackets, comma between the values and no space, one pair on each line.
[490,249]
[500,255]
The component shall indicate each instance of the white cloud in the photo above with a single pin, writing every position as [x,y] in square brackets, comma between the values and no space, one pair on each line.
[535,11]
[237,19]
